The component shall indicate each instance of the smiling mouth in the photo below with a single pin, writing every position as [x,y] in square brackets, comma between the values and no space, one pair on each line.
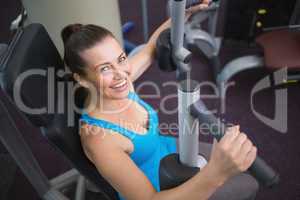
[120,85]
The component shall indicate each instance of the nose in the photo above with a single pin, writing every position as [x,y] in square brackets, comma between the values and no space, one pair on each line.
[117,74]
[120,71]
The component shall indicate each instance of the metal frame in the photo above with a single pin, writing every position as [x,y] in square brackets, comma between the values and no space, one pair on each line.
[12,139]
[191,107]
[145,20]
[209,44]
[238,65]
[188,125]
[3,48]
[14,142]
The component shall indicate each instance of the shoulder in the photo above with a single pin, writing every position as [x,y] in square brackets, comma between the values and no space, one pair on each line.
[95,140]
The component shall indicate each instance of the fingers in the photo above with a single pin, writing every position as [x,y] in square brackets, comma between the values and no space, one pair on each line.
[206,1]
[203,5]
[215,142]
[230,135]
[238,143]
[236,149]
[250,158]
[240,140]
[197,8]
[246,148]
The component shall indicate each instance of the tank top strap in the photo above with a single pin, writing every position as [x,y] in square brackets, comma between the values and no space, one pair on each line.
[117,128]
[107,125]
[133,96]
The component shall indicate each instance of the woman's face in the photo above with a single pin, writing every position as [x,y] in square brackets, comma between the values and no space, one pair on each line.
[107,69]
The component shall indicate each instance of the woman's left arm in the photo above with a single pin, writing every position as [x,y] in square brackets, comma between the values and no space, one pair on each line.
[144,58]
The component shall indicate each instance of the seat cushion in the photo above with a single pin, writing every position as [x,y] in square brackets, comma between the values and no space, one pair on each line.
[281,48]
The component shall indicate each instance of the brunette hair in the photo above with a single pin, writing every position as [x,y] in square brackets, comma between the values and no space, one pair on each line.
[78,37]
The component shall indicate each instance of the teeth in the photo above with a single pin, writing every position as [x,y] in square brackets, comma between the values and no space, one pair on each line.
[120,84]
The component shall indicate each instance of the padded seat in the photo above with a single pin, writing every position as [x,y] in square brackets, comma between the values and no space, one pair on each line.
[34,53]
[281,48]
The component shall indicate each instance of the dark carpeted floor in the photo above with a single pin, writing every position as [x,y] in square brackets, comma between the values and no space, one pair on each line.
[280,150]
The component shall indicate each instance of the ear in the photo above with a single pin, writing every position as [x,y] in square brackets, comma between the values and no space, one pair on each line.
[76,77]
[80,80]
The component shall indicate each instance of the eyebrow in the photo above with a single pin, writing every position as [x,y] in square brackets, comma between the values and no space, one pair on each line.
[98,65]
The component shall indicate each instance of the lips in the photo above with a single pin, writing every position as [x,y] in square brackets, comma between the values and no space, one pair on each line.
[120,84]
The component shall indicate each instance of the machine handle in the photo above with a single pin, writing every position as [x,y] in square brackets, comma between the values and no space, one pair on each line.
[263,173]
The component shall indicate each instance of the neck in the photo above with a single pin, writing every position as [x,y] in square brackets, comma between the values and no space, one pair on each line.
[107,105]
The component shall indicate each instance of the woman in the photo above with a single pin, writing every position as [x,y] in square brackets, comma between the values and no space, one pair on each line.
[128,156]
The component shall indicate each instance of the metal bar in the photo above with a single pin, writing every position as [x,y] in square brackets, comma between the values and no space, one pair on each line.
[213,12]
[177,23]
[293,77]
[65,179]
[276,28]
[145,20]
[180,56]
[238,65]
[55,195]
[14,142]
[189,93]
[80,188]
[10,48]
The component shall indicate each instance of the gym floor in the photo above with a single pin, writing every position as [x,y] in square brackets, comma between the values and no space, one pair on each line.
[280,150]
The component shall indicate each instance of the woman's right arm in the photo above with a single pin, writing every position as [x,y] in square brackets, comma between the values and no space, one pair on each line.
[115,165]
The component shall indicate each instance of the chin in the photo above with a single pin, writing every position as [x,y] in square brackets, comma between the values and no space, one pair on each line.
[122,95]
[119,95]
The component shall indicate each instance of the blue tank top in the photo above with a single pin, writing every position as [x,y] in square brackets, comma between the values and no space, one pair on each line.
[149,148]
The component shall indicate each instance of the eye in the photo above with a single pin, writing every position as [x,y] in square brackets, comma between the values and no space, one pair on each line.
[105,68]
[122,59]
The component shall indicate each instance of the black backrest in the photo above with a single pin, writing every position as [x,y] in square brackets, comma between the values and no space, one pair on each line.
[295,18]
[237,16]
[32,51]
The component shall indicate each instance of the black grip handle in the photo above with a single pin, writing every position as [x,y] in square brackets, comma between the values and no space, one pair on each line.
[263,173]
